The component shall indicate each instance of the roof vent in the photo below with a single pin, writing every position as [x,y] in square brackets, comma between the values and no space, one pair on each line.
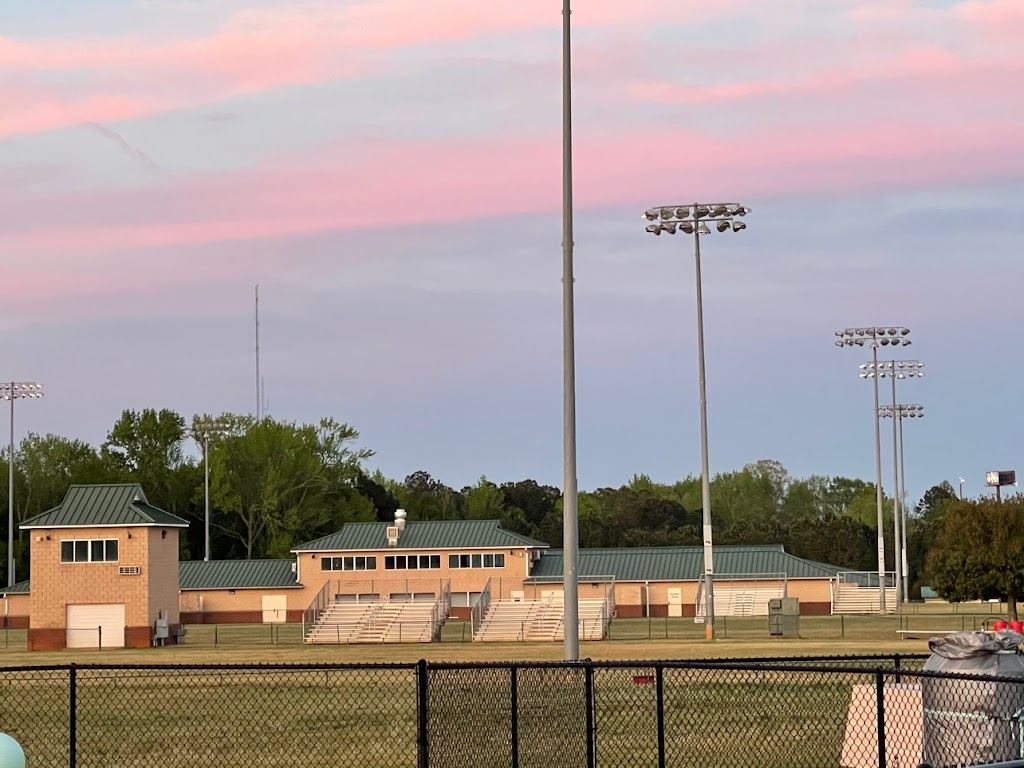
[392,535]
[400,519]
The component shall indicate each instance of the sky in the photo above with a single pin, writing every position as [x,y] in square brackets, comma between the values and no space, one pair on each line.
[389,173]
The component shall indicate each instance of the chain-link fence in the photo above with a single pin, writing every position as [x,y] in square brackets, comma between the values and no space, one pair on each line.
[855,712]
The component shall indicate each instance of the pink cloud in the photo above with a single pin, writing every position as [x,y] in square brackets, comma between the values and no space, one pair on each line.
[922,74]
[261,49]
[411,184]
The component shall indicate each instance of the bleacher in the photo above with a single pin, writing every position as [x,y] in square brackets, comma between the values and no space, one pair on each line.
[854,598]
[746,601]
[746,595]
[381,621]
[540,620]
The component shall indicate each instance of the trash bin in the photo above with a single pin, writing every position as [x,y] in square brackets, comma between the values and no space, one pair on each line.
[973,722]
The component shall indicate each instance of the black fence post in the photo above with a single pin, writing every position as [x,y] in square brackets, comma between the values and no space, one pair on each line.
[73,716]
[659,679]
[514,689]
[896,665]
[880,697]
[422,728]
[588,692]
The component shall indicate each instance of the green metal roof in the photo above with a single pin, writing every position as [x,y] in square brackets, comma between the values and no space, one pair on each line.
[88,506]
[422,534]
[682,563]
[21,588]
[236,574]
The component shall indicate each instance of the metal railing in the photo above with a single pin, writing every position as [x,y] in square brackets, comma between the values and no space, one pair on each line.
[483,604]
[311,615]
[853,711]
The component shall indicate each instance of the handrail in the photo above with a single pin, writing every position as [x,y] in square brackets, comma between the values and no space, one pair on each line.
[483,603]
[315,608]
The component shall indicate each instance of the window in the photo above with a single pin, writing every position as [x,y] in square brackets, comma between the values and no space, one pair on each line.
[496,560]
[412,562]
[88,551]
[348,563]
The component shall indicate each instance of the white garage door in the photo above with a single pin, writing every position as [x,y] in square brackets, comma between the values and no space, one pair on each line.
[85,622]
[275,609]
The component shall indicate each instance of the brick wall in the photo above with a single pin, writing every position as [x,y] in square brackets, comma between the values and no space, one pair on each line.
[163,575]
[56,584]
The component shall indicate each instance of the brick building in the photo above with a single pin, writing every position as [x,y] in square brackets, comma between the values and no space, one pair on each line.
[104,570]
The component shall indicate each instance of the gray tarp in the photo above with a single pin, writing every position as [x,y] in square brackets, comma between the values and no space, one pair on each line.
[972,722]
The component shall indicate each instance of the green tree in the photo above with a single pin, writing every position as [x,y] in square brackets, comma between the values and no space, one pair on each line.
[44,468]
[274,482]
[428,499]
[530,500]
[980,552]
[379,490]
[147,447]
[484,501]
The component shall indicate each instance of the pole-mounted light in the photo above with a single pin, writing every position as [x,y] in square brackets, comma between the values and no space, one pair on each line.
[694,219]
[14,390]
[202,432]
[893,370]
[875,337]
[902,411]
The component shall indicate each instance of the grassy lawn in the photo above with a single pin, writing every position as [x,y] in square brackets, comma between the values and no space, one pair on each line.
[235,717]
[249,644]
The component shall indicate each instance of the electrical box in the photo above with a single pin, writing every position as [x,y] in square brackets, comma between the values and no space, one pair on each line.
[161,629]
[784,617]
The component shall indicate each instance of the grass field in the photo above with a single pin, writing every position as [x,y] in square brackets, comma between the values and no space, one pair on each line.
[368,717]
[316,717]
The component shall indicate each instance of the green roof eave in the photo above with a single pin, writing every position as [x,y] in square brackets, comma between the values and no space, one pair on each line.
[21,588]
[422,535]
[213,575]
[122,505]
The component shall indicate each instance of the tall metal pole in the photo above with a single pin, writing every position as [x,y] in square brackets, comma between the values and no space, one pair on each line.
[259,393]
[903,513]
[10,498]
[705,479]
[206,461]
[878,486]
[570,523]
[897,541]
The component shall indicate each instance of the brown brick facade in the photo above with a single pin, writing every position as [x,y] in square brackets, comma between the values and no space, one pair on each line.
[47,639]
[56,585]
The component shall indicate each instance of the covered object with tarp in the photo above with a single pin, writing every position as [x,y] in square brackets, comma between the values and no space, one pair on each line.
[973,722]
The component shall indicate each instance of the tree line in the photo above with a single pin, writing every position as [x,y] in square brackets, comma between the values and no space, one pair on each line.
[275,484]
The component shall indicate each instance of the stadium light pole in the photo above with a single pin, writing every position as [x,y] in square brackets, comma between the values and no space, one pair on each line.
[961,489]
[14,390]
[903,411]
[570,512]
[893,370]
[875,337]
[693,219]
[201,433]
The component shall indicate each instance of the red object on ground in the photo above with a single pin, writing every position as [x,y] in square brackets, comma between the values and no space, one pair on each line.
[998,625]
[1017,626]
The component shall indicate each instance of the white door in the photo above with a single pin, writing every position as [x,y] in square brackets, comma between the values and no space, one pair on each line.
[90,626]
[275,609]
[675,602]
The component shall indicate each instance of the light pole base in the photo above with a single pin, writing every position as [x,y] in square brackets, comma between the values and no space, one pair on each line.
[709,630]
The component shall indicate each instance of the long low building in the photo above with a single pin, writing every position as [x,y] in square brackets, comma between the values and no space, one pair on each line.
[104,567]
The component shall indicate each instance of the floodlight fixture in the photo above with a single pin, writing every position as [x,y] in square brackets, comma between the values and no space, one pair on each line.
[202,432]
[14,390]
[696,219]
